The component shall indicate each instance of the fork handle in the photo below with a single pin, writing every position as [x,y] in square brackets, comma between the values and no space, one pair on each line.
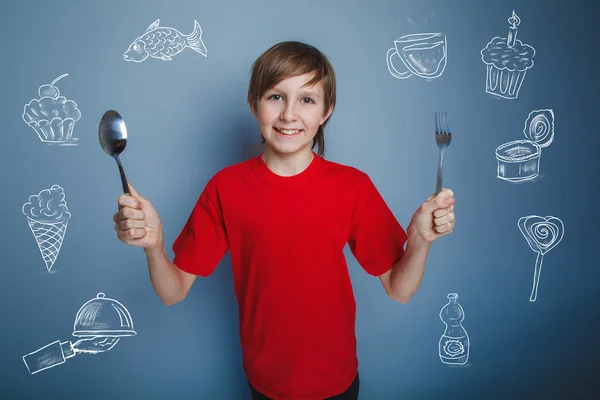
[438,186]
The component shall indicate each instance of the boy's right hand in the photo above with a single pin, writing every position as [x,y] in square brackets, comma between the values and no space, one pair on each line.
[137,223]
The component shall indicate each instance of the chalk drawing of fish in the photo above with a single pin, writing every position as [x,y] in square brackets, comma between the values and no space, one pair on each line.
[163,43]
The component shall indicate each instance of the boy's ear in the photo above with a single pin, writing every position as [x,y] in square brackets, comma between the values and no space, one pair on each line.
[252,105]
[326,116]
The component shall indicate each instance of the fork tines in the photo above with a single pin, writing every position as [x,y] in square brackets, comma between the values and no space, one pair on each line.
[441,123]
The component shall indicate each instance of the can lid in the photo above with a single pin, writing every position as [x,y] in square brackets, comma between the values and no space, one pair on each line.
[539,127]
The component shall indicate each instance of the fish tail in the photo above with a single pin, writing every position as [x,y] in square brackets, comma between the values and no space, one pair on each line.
[194,40]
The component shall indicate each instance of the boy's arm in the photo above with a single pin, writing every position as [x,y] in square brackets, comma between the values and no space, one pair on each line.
[433,219]
[404,278]
[138,224]
[170,283]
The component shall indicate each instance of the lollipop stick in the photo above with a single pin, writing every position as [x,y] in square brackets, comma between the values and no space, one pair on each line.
[536,275]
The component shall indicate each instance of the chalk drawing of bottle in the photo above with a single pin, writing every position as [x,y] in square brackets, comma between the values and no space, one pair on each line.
[454,343]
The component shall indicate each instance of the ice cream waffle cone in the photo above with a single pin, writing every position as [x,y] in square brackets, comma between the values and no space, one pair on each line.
[49,237]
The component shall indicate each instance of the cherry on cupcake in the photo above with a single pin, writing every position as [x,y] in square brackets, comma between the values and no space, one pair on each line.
[50,90]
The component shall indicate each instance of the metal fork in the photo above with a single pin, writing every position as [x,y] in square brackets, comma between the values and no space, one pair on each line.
[442,138]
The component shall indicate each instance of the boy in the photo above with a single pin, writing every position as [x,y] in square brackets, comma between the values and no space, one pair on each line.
[285,217]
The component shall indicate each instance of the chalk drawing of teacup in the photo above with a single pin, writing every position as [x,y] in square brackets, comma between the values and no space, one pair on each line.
[420,54]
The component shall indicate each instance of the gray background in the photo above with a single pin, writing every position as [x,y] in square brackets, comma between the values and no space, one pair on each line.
[187,118]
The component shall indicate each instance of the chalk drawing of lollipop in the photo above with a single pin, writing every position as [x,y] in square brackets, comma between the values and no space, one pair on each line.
[542,234]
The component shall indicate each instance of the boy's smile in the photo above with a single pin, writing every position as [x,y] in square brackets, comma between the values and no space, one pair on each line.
[288,132]
[290,114]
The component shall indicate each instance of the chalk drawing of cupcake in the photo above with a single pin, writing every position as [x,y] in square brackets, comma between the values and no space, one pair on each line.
[507,60]
[52,116]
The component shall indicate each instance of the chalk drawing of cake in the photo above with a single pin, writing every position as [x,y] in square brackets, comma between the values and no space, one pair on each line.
[507,60]
[52,116]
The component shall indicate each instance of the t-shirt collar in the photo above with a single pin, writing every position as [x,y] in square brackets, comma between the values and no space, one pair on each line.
[271,178]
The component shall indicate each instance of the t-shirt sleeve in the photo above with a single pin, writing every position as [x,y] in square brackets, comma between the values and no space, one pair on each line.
[202,242]
[376,238]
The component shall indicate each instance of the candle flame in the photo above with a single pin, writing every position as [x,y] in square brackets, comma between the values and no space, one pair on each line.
[514,20]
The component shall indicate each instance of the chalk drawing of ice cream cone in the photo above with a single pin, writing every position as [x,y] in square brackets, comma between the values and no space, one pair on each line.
[48,216]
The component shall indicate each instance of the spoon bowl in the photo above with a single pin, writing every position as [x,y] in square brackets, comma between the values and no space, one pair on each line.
[112,134]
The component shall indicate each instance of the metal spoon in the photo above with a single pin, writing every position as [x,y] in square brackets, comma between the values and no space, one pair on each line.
[112,134]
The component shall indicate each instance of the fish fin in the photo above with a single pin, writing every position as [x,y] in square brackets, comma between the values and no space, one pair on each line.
[194,40]
[164,57]
[154,25]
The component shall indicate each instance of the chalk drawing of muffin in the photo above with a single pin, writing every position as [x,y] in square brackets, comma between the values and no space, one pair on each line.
[52,116]
[507,60]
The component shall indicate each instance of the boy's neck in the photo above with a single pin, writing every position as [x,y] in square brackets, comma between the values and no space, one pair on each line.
[287,164]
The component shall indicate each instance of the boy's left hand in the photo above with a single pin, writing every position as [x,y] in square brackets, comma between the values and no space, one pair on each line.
[434,218]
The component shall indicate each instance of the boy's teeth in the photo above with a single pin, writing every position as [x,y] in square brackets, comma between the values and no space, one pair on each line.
[288,131]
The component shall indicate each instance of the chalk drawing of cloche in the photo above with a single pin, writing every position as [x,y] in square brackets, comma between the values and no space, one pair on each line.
[102,316]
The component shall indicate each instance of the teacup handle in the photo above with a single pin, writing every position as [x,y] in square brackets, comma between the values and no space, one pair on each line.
[395,73]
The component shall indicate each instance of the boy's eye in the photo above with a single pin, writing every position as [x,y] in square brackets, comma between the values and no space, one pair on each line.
[277,97]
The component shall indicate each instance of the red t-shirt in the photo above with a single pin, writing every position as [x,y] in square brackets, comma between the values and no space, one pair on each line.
[286,237]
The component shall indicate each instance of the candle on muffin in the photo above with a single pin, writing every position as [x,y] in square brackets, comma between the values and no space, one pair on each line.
[514,21]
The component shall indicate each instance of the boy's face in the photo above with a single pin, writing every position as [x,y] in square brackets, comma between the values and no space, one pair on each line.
[290,114]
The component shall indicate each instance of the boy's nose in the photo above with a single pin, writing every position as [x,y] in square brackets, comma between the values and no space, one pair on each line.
[288,113]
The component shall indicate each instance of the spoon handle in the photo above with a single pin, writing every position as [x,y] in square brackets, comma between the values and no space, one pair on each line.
[123,178]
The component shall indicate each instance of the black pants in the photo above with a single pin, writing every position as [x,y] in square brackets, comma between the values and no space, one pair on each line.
[350,394]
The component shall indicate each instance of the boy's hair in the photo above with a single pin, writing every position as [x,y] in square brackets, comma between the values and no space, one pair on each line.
[288,59]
